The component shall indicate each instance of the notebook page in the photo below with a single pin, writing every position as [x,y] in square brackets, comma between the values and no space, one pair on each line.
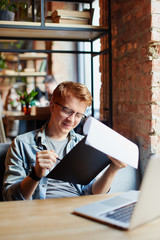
[108,141]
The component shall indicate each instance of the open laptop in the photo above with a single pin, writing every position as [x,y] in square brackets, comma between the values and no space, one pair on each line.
[143,205]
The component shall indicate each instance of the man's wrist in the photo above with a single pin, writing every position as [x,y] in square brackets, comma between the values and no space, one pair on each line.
[33,175]
[113,167]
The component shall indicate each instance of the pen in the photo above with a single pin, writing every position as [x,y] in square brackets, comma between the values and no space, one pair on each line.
[42,149]
[58,159]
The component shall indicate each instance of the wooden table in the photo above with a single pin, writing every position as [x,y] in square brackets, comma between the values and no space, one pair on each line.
[18,115]
[52,219]
[27,122]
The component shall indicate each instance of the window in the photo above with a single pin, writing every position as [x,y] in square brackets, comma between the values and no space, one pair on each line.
[84,64]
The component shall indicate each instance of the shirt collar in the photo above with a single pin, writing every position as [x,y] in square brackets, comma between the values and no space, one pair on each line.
[40,136]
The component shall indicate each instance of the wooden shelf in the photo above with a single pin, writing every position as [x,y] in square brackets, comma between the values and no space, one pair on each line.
[25,74]
[81,1]
[13,84]
[25,56]
[54,31]
[32,56]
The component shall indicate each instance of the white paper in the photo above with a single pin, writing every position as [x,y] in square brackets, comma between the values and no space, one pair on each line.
[108,141]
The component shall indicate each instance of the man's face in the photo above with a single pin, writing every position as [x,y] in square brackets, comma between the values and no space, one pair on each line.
[63,123]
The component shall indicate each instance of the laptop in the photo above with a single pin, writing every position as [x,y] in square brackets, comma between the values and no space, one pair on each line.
[129,209]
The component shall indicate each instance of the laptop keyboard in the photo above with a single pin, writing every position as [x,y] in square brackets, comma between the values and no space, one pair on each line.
[122,214]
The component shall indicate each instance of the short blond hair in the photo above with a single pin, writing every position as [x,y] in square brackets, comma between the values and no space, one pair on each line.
[75,89]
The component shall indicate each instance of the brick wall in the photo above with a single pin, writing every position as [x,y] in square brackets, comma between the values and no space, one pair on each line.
[135,72]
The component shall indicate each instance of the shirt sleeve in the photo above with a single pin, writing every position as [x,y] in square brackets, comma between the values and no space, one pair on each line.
[14,173]
[85,189]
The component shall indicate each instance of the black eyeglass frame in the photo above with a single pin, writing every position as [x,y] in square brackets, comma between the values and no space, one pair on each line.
[70,112]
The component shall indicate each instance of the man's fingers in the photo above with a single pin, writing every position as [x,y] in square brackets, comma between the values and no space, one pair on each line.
[116,163]
[46,155]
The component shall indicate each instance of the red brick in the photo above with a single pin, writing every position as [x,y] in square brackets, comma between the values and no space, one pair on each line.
[136,72]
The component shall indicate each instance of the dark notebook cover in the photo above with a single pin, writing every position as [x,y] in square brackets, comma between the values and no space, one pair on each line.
[80,165]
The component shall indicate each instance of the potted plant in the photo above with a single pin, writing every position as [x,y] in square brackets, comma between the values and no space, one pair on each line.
[6,8]
[26,100]
[9,7]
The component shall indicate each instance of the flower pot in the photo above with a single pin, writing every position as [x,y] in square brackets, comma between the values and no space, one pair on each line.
[27,109]
[6,15]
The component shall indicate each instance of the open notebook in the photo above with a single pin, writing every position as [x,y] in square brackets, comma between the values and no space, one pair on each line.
[130,209]
[88,158]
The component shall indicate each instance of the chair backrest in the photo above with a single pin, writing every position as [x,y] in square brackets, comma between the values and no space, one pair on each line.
[2,131]
[3,151]
[125,180]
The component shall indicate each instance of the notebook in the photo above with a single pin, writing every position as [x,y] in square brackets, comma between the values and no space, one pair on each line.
[144,205]
[80,165]
[88,158]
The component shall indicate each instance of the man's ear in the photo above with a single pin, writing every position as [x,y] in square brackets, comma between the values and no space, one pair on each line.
[51,105]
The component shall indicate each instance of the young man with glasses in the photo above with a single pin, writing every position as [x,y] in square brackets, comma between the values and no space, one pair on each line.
[32,155]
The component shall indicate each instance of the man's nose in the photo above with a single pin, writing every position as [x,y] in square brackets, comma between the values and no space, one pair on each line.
[72,116]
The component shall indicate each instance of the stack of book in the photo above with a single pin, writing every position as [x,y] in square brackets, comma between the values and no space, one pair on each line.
[72,16]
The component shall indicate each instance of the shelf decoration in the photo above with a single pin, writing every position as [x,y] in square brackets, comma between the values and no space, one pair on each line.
[26,100]
[72,17]
[6,9]
[13,103]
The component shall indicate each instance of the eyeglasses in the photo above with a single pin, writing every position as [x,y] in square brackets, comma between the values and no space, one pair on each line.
[69,112]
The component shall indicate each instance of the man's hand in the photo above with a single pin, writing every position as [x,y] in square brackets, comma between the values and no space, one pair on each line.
[44,160]
[116,164]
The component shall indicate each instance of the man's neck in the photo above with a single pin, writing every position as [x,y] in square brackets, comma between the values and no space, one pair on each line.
[51,132]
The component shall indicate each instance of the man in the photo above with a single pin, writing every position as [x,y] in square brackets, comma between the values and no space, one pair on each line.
[32,155]
[45,97]
[50,85]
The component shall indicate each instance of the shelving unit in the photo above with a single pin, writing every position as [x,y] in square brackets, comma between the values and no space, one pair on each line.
[26,57]
[9,78]
[51,31]
[41,31]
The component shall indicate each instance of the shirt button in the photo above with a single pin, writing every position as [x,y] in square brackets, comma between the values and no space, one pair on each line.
[43,185]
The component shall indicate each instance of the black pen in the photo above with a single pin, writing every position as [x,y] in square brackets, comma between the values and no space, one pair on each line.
[58,159]
[42,149]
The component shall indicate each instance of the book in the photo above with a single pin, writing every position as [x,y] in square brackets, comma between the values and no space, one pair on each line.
[80,165]
[67,20]
[89,157]
[71,13]
[43,66]
[108,141]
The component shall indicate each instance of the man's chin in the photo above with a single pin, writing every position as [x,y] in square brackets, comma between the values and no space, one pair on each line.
[66,129]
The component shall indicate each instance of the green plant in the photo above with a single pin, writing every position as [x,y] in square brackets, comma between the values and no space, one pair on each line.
[12,5]
[7,5]
[2,63]
[27,98]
